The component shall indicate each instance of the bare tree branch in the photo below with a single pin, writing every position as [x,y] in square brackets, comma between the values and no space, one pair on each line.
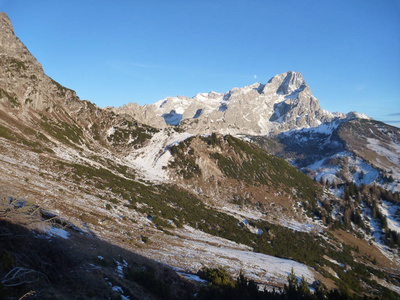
[30,293]
[19,275]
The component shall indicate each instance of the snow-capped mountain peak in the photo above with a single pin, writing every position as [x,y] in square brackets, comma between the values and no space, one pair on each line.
[285,102]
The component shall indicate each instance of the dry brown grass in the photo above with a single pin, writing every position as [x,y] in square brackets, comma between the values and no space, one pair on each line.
[367,251]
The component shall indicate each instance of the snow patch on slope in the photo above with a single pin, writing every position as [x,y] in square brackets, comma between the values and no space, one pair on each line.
[54,231]
[301,227]
[389,210]
[362,172]
[198,249]
[153,158]
[391,151]
[326,128]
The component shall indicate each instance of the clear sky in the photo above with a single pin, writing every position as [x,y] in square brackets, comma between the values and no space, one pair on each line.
[115,52]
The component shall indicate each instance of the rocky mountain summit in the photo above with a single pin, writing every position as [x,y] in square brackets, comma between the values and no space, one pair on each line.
[284,113]
[203,185]
[22,76]
[282,104]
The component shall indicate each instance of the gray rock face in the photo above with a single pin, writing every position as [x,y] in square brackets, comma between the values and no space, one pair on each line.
[26,91]
[10,45]
[292,82]
[284,103]
[22,76]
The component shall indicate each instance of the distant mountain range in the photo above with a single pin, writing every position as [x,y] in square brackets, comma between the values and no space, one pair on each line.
[284,103]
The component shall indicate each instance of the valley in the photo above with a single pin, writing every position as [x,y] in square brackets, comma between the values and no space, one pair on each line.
[259,181]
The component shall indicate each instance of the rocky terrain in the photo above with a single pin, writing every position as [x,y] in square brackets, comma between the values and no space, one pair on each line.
[194,185]
[284,103]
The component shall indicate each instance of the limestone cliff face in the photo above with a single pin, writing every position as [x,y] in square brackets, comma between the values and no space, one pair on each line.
[10,45]
[31,100]
[284,103]
[35,108]
[23,82]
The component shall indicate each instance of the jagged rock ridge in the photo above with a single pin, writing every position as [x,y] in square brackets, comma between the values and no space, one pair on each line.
[284,103]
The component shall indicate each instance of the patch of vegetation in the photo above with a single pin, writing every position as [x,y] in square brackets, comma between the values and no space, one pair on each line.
[178,128]
[257,166]
[185,160]
[13,99]
[148,279]
[18,64]
[95,131]
[212,140]
[34,145]
[8,134]
[114,200]
[246,162]
[62,131]
[144,239]
[354,198]
[223,286]
[217,276]
[131,133]
[161,223]
[28,100]
[124,170]
[285,243]
[61,90]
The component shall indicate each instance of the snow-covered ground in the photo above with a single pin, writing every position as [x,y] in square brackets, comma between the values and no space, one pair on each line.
[194,249]
[117,289]
[308,133]
[244,214]
[155,155]
[54,231]
[297,226]
[389,210]
[362,172]
[391,151]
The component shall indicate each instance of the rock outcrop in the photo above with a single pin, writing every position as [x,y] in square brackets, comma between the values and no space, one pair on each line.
[284,103]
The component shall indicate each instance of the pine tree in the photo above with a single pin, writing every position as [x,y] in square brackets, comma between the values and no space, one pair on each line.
[334,185]
[303,288]
[320,291]
[291,288]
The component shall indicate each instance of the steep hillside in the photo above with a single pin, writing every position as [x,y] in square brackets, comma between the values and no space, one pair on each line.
[376,143]
[360,150]
[233,173]
[39,112]
[62,262]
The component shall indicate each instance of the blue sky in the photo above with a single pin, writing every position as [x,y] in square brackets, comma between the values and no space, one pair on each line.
[115,52]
